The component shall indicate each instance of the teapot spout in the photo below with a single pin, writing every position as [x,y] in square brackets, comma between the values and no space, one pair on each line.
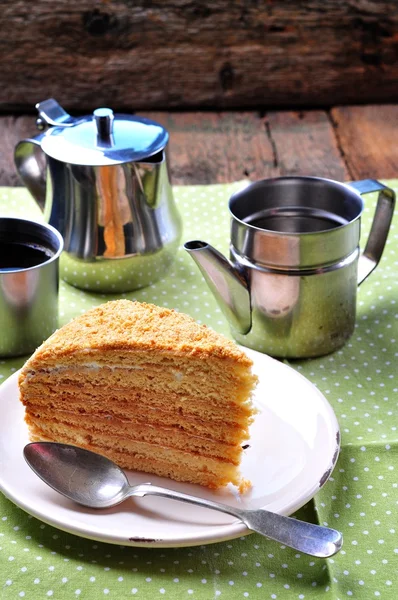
[226,282]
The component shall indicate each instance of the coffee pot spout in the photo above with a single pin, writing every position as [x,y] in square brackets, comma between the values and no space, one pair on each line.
[227,283]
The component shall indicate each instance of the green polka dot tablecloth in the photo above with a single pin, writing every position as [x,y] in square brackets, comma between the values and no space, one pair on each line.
[360,499]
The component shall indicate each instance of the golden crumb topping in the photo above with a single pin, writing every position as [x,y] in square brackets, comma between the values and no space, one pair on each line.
[127,325]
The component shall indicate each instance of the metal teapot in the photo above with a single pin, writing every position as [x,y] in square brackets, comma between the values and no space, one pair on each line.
[290,286]
[105,188]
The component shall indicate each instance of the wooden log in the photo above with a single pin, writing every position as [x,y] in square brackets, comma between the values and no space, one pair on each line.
[184,53]
[368,138]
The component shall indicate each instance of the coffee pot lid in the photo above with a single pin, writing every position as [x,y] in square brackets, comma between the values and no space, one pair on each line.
[103,138]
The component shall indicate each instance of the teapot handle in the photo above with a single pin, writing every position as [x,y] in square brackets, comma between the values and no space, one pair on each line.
[374,247]
[29,169]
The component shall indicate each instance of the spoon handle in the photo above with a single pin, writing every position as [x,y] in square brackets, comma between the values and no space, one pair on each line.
[312,539]
[315,540]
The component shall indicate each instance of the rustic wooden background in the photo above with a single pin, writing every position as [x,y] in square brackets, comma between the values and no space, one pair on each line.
[344,143]
[246,88]
[196,54]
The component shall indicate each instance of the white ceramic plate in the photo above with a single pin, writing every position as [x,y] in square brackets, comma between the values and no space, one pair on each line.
[294,446]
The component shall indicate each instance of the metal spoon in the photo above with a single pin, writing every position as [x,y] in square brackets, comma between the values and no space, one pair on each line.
[95,481]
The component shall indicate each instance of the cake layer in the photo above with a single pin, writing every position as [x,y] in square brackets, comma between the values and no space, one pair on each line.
[177,465]
[216,382]
[92,426]
[138,413]
[133,398]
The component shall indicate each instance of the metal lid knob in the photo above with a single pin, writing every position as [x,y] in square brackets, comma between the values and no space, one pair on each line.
[100,138]
[104,122]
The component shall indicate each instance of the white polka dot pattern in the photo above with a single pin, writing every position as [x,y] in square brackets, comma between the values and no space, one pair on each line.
[360,381]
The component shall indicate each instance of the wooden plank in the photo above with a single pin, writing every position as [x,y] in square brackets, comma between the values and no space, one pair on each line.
[211,147]
[305,144]
[368,138]
[214,53]
[204,147]
[13,129]
[217,147]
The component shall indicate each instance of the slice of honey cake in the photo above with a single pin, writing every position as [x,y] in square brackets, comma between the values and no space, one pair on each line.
[148,387]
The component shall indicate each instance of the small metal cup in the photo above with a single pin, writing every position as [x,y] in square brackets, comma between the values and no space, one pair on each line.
[28,295]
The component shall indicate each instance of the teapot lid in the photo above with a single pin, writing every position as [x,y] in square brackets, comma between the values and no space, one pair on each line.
[102,138]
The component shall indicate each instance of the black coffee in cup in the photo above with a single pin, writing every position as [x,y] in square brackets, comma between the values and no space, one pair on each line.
[29,281]
[16,255]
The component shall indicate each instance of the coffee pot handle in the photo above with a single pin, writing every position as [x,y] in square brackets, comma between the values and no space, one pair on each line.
[29,168]
[374,247]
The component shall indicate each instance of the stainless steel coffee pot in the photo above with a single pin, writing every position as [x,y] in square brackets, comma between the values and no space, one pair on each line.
[105,187]
[290,286]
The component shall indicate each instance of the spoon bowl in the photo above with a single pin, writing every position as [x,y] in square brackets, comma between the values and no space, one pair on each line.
[83,476]
[96,482]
